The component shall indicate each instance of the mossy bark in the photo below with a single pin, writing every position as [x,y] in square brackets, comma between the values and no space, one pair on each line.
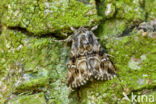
[33,66]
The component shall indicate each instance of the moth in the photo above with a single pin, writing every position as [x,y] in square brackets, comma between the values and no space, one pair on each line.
[87,59]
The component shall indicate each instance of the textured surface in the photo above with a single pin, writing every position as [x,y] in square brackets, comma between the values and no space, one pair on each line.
[27,99]
[33,66]
[43,17]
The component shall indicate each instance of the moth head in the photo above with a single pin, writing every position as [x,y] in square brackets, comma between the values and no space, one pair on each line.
[85,38]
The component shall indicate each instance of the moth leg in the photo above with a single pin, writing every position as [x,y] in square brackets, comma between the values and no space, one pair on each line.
[109,55]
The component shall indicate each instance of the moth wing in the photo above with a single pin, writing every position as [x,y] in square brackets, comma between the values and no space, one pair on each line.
[78,73]
[102,67]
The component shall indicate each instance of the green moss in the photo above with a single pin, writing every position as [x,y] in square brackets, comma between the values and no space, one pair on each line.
[41,17]
[150,9]
[29,99]
[32,64]
[122,15]
[101,92]
[106,8]
[32,81]
[132,50]
[59,93]
[111,28]
[130,10]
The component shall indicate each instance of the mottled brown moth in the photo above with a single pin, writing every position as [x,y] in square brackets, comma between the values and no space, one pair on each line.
[87,59]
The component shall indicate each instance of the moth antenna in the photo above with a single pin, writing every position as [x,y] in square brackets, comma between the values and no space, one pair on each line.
[94,28]
[109,55]
[68,39]
[73,29]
